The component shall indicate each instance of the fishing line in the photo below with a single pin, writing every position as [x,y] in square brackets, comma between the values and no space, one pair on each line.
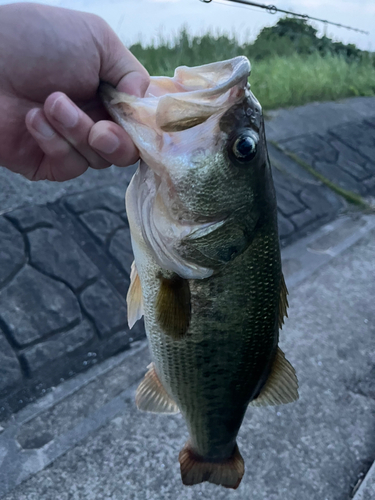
[272,9]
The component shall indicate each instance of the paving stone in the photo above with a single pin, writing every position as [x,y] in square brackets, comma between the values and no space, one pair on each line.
[33,305]
[288,181]
[303,219]
[370,184]
[121,340]
[120,248]
[112,198]
[321,205]
[286,228]
[12,250]
[105,306]
[312,147]
[351,161]
[42,354]
[287,202]
[338,157]
[335,173]
[370,121]
[33,216]
[58,255]
[10,370]
[359,136]
[102,223]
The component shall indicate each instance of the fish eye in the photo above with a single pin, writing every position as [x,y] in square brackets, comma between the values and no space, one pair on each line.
[245,147]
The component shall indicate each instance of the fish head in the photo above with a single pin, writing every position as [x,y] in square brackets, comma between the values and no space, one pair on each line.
[203,156]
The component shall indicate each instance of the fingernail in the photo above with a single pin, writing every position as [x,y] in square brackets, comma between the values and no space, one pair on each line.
[105,143]
[41,125]
[65,112]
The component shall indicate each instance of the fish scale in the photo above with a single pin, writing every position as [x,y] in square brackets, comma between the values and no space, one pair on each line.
[244,344]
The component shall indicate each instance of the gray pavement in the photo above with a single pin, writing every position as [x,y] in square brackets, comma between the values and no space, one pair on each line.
[86,440]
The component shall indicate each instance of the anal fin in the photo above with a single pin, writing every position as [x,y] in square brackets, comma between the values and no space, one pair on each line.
[281,386]
[134,298]
[196,469]
[151,395]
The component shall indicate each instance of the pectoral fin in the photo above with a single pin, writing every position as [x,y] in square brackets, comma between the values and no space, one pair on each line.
[151,395]
[283,303]
[281,386]
[173,306]
[134,298]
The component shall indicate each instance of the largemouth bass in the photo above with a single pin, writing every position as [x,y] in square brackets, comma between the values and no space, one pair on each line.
[207,271]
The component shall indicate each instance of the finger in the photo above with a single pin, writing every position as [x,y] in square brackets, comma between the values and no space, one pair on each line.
[119,67]
[74,125]
[113,144]
[61,161]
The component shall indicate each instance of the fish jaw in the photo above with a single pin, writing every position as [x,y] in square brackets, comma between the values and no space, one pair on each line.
[175,105]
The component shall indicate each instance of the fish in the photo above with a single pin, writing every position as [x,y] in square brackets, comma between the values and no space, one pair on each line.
[207,273]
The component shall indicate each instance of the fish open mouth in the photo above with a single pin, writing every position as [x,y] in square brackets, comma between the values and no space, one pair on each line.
[187,99]
[176,119]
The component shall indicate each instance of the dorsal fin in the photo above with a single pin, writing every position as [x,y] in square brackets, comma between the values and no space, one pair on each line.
[151,395]
[283,302]
[134,297]
[173,306]
[281,386]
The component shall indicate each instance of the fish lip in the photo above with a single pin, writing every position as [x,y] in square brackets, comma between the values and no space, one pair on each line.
[241,69]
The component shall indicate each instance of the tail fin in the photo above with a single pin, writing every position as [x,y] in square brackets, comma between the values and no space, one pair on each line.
[195,469]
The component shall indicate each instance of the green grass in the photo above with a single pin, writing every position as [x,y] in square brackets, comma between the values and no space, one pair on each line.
[285,79]
[296,80]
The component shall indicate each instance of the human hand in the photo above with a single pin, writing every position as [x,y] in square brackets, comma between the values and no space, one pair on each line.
[58,53]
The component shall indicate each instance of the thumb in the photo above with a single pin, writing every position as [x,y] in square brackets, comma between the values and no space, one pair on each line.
[118,65]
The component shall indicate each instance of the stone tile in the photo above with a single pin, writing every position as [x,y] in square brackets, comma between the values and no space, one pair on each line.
[41,355]
[121,340]
[34,305]
[12,250]
[105,306]
[111,198]
[355,134]
[34,216]
[120,248]
[286,228]
[287,202]
[312,147]
[101,223]
[303,219]
[321,205]
[338,156]
[10,370]
[58,255]
[351,161]
[335,173]
[370,184]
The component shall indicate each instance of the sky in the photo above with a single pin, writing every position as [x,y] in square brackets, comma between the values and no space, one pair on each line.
[146,20]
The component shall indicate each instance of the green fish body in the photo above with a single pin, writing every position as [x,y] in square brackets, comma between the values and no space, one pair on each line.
[207,274]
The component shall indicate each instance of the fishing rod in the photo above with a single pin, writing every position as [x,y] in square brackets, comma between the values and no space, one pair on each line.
[272,9]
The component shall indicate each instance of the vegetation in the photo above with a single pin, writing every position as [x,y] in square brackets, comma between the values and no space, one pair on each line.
[291,65]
